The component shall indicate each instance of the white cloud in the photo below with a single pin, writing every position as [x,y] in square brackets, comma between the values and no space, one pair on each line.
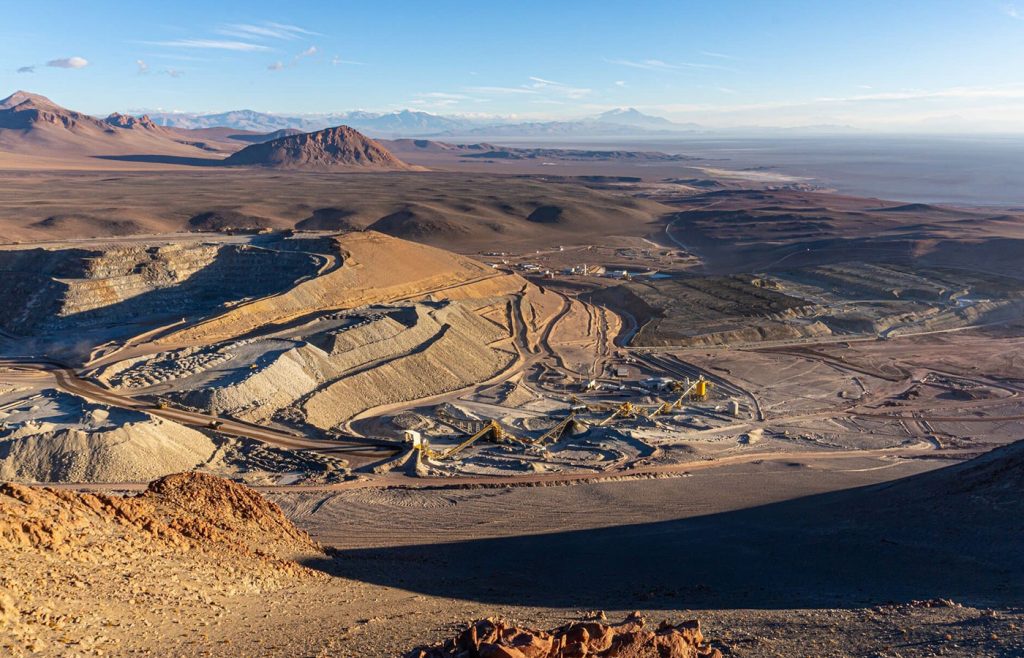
[308,52]
[276,66]
[174,73]
[620,83]
[143,66]
[69,63]
[213,44]
[1013,12]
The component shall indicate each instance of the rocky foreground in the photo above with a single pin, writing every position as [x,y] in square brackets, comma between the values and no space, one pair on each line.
[201,566]
[76,565]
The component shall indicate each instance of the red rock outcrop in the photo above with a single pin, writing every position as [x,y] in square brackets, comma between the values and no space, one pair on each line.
[494,638]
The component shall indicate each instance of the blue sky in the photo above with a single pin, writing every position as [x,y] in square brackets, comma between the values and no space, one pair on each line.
[895,65]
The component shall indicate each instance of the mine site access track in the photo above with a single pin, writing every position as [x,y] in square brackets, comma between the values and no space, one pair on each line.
[397,480]
[67,380]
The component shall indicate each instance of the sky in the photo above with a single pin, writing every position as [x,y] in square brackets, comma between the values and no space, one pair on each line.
[895,65]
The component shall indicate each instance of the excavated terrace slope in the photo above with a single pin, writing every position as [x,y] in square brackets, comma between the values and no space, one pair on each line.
[54,290]
[454,352]
[410,351]
[376,269]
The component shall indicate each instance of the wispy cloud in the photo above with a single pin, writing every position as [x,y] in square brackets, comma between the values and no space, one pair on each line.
[212,44]
[711,53]
[659,65]
[620,83]
[69,63]
[501,90]
[338,61]
[143,67]
[1013,12]
[266,30]
[962,93]
[27,69]
[174,73]
[558,88]
[308,52]
[444,95]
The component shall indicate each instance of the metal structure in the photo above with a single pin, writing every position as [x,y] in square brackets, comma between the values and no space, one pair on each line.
[556,432]
[492,428]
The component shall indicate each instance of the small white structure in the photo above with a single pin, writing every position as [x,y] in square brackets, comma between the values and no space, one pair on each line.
[734,408]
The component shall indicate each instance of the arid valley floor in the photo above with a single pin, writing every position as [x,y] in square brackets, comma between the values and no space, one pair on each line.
[546,385]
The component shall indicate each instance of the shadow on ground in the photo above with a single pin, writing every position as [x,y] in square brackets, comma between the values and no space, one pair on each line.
[954,533]
[165,159]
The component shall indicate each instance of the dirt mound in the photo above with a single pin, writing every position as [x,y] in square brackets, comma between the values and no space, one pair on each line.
[222,220]
[186,510]
[86,563]
[331,148]
[417,223]
[547,215]
[494,638]
[133,452]
[88,225]
[206,507]
[331,219]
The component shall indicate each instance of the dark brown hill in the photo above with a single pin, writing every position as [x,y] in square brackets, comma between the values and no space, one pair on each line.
[332,148]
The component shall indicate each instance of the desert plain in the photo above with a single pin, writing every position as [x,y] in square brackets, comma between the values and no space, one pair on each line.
[319,394]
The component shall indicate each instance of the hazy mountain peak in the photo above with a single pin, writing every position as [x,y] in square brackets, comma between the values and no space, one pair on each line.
[26,100]
[630,116]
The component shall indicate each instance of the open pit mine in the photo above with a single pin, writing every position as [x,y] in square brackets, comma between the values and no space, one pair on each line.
[317,357]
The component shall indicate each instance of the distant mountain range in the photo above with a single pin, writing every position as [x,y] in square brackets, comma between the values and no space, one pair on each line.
[411,123]
[391,124]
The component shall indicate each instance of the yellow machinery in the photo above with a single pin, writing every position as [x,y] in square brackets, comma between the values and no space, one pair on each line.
[492,428]
[697,390]
[556,432]
[700,389]
[624,410]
